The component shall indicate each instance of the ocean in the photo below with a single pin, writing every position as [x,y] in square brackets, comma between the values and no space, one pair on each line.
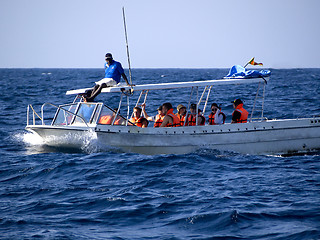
[98,193]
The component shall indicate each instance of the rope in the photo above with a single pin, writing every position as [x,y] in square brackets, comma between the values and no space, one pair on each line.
[35,112]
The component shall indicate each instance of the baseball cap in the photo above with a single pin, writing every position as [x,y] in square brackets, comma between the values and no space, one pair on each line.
[108,56]
[180,106]
[237,101]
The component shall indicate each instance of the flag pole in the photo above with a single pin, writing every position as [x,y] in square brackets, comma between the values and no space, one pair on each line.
[248,62]
[127,45]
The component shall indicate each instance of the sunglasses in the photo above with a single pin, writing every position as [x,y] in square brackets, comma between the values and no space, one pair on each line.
[214,109]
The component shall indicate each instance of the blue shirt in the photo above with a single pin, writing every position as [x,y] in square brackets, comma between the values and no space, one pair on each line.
[114,71]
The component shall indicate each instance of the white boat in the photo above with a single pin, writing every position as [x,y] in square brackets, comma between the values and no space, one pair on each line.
[257,136]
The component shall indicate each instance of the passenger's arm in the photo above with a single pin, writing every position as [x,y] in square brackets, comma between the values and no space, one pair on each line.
[218,118]
[143,107]
[125,78]
[235,116]
[167,119]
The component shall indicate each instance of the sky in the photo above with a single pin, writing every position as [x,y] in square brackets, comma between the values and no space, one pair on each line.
[161,34]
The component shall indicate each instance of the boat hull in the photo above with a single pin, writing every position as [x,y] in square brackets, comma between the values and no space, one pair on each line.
[267,137]
[64,137]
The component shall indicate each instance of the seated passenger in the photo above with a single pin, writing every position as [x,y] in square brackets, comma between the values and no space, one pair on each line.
[192,116]
[144,122]
[170,119]
[156,119]
[239,115]
[216,117]
[136,119]
[181,114]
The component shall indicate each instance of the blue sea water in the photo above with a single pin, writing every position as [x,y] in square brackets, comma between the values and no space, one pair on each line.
[97,193]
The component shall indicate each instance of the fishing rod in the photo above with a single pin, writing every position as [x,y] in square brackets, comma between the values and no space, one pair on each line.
[125,32]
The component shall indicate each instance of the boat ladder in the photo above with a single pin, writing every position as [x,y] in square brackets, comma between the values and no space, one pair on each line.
[207,90]
[126,104]
[259,102]
[143,93]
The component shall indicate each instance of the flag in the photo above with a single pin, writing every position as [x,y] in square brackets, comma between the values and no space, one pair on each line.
[252,62]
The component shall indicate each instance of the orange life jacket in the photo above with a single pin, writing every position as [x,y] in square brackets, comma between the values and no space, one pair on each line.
[211,118]
[158,120]
[181,118]
[175,119]
[136,121]
[244,113]
[107,119]
[192,119]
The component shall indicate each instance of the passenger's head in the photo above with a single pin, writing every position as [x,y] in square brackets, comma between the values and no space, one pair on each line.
[109,57]
[159,109]
[181,109]
[144,122]
[193,108]
[214,107]
[236,102]
[137,112]
[166,107]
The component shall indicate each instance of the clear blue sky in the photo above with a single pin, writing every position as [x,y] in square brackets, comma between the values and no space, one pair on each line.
[162,34]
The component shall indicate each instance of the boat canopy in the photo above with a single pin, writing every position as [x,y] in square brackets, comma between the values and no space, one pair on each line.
[170,85]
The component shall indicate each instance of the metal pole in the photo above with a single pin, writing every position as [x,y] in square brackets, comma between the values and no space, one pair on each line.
[248,62]
[125,32]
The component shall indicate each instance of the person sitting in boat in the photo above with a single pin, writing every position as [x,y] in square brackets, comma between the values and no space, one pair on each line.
[144,122]
[192,116]
[216,116]
[158,119]
[181,114]
[137,119]
[239,115]
[113,73]
[170,119]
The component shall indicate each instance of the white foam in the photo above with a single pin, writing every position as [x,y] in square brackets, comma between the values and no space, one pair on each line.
[29,138]
[85,142]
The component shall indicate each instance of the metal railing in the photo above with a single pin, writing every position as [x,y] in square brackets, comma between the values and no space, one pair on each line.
[42,114]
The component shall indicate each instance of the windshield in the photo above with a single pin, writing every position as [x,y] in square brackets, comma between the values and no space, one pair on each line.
[107,116]
[85,111]
[77,113]
[65,117]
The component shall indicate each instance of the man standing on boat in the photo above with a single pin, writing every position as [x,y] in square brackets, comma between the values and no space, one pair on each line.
[239,115]
[113,73]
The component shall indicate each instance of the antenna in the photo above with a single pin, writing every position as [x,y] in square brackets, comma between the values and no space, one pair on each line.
[125,32]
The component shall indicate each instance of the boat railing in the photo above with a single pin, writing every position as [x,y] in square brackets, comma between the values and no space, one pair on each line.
[34,114]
